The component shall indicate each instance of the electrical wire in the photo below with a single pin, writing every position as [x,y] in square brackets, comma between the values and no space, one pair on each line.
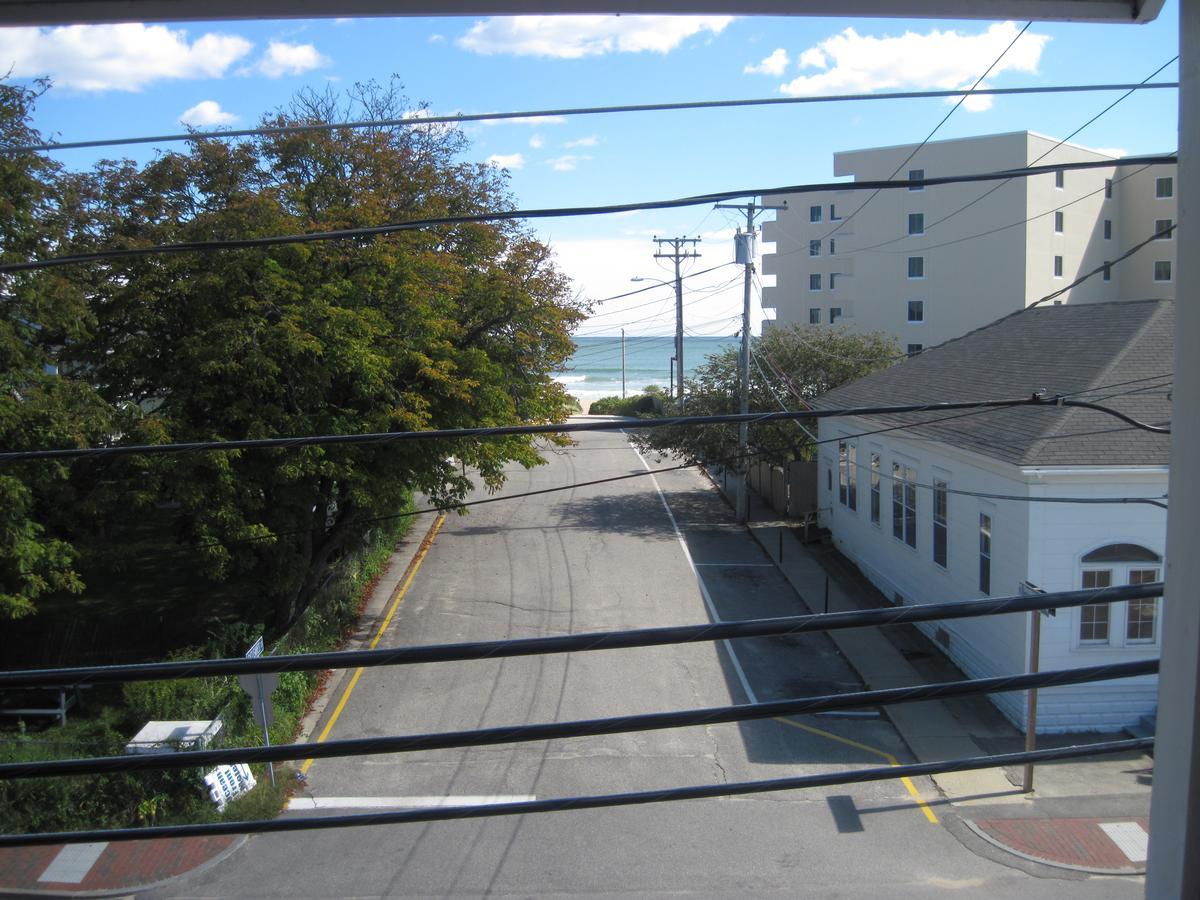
[391,437]
[549,213]
[846,221]
[565,804]
[417,121]
[1105,266]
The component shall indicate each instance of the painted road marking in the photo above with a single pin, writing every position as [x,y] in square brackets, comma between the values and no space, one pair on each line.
[1130,838]
[311,803]
[73,863]
[737,565]
[741,674]
[387,620]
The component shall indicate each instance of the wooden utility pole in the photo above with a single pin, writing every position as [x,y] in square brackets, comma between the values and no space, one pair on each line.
[678,254]
[745,255]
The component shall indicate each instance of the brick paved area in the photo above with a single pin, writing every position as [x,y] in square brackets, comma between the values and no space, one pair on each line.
[1078,843]
[123,865]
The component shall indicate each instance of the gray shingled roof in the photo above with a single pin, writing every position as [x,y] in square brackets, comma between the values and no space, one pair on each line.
[1059,349]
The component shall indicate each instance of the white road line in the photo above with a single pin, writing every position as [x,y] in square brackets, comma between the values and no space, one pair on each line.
[311,803]
[1130,838]
[712,610]
[73,863]
[738,565]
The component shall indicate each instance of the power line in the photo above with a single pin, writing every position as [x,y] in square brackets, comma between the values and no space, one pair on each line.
[565,804]
[642,290]
[417,120]
[550,213]
[935,130]
[1105,266]
[391,437]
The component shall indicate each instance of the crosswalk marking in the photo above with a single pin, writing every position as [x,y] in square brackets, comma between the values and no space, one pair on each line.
[1130,838]
[73,863]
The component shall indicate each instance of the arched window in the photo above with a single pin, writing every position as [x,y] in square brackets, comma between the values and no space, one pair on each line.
[1119,624]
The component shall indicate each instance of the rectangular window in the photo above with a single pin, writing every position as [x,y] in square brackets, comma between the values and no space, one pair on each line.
[940,512]
[916,175]
[1162,229]
[1107,188]
[831,247]
[914,349]
[985,553]
[1141,620]
[916,310]
[833,216]
[814,315]
[814,248]
[814,214]
[874,488]
[1058,222]
[1107,271]
[835,313]
[1058,267]
[1164,188]
[904,503]
[1108,229]
[1060,179]
[814,282]
[916,267]
[843,482]
[916,223]
[1093,619]
[833,281]
[1162,270]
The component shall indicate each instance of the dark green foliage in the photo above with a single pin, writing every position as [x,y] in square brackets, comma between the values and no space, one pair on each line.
[648,402]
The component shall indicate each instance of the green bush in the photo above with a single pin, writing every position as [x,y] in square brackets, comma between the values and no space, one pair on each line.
[648,402]
[182,698]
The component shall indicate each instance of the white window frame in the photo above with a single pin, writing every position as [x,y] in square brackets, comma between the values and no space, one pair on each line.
[814,247]
[913,349]
[909,311]
[835,313]
[1169,181]
[814,214]
[941,486]
[1163,225]
[904,489]
[917,219]
[848,474]
[833,216]
[911,276]
[916,175]
[1170,271]
[1058,267]
[1059,221]
[1106,271]
[814,278]
[1118,613]
[814,320]
[986,552]
[876,502]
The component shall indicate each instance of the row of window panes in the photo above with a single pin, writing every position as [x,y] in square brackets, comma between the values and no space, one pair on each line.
[814,281]
[1164,187]
[1141,616]
[814,314]
[814,247]
[816,212]
[904,508]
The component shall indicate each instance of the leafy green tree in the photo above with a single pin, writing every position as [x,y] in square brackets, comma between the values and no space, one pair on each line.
[789,366]
[40,312]
[448,327]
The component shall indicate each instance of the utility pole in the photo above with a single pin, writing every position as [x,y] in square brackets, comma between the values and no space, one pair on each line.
[622,363]
[744,249]
[678,254]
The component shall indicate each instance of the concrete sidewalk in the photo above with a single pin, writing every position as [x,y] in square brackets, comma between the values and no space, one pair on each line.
[1051,826]
[129,867]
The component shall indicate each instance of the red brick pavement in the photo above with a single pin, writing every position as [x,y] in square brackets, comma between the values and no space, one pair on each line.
[1078,843]
[121,865]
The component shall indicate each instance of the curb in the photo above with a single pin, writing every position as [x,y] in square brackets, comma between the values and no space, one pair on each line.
[1090,870]
[133,889]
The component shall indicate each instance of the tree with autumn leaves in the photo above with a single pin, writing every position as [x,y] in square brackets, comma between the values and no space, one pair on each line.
[446,327]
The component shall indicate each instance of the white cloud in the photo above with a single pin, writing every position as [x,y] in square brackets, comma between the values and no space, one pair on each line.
[437,38]
[574,37]
[537,142]
[343,21]
[589,141]
[533,121]
[117,57]
[973,103]
[1114,152]
[506,161]
[207,112]
[855,63]
[566,163]
[290,59]
[775,64]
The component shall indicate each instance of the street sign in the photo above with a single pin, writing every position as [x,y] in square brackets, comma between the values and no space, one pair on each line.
[260,687]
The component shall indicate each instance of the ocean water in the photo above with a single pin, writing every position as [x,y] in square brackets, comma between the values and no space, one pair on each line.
[595,369]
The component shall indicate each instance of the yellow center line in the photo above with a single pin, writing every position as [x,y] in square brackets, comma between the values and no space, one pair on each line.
[891,760]
[397,597]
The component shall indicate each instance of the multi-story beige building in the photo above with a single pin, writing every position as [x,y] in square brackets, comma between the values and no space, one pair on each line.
[931,264]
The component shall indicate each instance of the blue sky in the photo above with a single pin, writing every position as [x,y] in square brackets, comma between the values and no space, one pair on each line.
[127,80]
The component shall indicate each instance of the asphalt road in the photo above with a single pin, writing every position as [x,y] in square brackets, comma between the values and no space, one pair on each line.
[611,557]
